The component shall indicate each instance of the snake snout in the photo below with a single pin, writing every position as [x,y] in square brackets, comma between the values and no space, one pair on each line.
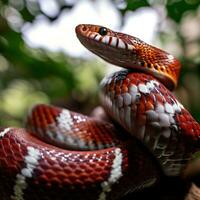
[81,29]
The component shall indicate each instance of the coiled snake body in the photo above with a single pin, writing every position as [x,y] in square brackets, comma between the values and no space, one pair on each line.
[77,157]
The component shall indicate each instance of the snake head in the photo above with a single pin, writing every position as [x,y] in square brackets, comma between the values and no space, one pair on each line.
[130,52]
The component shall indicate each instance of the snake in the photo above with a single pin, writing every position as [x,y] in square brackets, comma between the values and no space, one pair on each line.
[61,154]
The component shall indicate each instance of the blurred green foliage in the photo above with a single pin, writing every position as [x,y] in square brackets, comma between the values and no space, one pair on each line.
[29,76]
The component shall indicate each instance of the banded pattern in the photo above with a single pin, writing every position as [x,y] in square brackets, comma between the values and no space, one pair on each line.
[70,130]
[31,168]
[147,110]
[31,160]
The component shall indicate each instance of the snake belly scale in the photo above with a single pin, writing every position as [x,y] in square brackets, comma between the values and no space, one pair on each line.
[66,155]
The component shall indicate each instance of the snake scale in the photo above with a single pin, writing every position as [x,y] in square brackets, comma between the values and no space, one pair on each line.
[66,155]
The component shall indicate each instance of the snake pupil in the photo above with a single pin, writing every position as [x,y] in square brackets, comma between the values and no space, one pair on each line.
[102,31]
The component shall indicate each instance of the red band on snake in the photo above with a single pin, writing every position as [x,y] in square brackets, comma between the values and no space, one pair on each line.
[66,155]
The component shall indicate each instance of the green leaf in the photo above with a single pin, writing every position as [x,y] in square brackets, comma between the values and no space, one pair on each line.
[176,9]
[134,5]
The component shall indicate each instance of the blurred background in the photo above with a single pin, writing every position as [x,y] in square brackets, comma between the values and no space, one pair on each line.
[42,61]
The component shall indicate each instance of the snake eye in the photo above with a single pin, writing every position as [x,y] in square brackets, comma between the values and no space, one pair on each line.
[103,31]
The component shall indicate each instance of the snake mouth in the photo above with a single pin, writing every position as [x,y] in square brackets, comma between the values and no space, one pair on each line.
[109,47]
[108,52]
[92,34]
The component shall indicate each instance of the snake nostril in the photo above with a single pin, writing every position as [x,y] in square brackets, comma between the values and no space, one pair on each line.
[84,28]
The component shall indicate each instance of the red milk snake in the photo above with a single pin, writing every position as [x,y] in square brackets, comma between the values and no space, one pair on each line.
[77,157]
